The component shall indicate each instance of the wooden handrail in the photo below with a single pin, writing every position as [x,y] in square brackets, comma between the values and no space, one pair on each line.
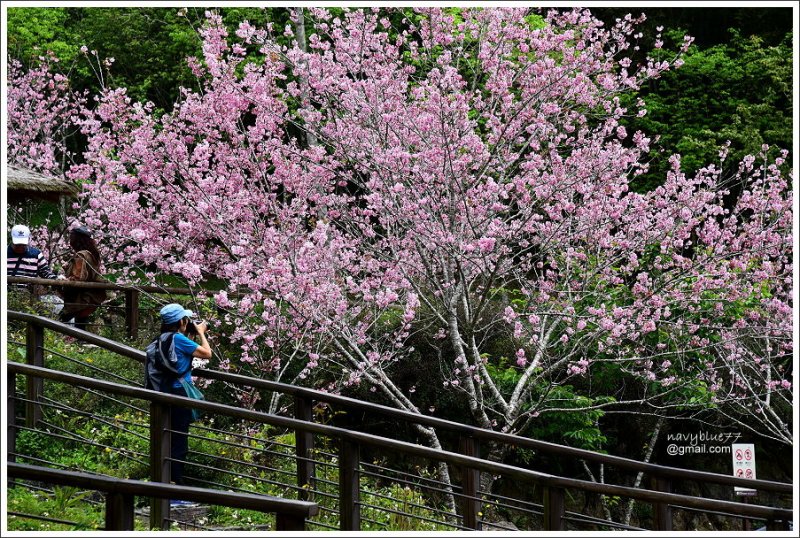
[462,429]
[131,291]
[291,514]
[246,501]
[97,285]
[543,479]
[105,343]
[493,436]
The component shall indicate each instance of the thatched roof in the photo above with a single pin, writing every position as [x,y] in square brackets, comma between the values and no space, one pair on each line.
[22,182]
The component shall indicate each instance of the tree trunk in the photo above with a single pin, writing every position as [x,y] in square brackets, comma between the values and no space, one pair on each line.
[650,447]
[300,36]
[496,454]
[443,470]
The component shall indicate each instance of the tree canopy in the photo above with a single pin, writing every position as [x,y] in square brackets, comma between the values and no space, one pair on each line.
[458,189]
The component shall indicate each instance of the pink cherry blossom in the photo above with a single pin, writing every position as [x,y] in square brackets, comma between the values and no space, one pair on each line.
[461,183]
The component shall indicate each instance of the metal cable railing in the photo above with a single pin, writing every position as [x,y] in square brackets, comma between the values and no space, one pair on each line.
[254,466]
[93,368]
[48,519]
[72,436]
[411,504]
[110,421]
[384,476]
[423,419]
[414,505]
[232,473]
[229,443]
[417,480]
[597,523]
[716,513]
[410,516]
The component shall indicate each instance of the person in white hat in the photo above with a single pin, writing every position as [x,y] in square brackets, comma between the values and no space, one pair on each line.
[24,260]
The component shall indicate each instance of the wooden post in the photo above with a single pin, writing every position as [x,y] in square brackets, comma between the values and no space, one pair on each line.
[132,313]
[34,355]
[470,482]
[119,512]
[11,416]
[349,507]
[304,447]
[553,508]
[662,512]
[284,522]
[160,466]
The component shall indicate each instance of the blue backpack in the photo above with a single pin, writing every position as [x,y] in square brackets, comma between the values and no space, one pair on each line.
[161,363]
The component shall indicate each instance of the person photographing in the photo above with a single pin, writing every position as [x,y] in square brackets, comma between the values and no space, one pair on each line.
[168,369]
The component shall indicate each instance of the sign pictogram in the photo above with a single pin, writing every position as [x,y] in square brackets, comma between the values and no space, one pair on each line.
[744,465]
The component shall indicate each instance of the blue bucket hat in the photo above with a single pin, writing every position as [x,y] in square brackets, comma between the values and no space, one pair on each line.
[173,313]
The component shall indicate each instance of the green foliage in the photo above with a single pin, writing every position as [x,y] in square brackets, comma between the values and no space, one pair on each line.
[66,497]
[32,31]
[149,45]
[236,518]
[92,445]
[693,394]
[504,373]
[535,21]
[33,443]
[579,429]
[64,503]
[738,91]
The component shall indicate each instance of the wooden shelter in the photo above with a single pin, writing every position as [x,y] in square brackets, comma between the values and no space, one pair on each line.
[23,185]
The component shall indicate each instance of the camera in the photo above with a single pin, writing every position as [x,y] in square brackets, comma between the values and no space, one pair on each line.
[191,328]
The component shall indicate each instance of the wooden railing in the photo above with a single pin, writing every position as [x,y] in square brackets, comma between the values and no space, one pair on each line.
[132,294]
[663,477]
[555,487]
[290,515]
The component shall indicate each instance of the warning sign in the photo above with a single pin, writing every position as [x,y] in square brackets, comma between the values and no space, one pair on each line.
[744,465]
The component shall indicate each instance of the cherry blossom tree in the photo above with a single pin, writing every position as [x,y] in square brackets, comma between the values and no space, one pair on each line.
[41,113]
[41,108]
[467,183]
